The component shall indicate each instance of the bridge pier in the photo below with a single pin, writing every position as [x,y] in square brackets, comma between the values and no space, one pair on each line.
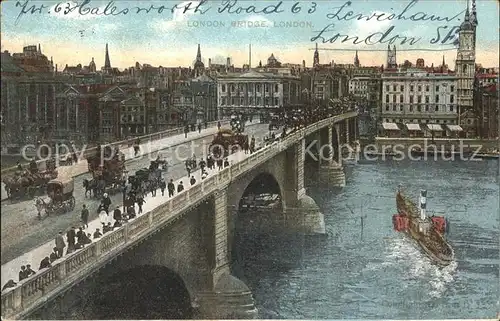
[331,172]
[300,211]
[229,298]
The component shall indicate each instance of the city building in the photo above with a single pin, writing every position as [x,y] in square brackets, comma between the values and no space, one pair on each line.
[423,97]
[487,111]
[257,92]
[486,76]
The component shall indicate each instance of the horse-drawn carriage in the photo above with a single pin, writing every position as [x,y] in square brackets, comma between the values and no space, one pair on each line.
[108,172]
[145,178]
[61,199]
[31,181]
[226,142]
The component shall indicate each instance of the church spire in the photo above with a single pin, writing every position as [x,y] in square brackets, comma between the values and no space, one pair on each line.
[198,54]
[316,56]
[443,64]
[39,49]
[107,63]
[356,59]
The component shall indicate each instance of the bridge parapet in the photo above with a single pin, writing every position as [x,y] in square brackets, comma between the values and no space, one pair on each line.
[33,292]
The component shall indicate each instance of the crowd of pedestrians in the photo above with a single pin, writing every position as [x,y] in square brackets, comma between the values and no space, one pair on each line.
[78,239]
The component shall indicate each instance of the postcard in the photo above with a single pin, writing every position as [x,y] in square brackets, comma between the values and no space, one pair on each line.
[231,159]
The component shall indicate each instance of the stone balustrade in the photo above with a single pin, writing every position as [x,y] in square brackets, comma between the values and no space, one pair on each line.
[28,293]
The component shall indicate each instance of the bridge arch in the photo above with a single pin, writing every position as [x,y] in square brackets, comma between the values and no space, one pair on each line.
[272,172]
[146,291]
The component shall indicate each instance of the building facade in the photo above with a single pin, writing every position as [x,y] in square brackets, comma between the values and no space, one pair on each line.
[255,92]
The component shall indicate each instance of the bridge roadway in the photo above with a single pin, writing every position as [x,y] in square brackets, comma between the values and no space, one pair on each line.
[30,294]
[152,142]
[22,230]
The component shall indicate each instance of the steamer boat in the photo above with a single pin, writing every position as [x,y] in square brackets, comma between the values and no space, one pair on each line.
[427,232]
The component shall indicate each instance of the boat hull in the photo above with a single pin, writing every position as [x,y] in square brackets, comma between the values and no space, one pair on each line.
[439,260]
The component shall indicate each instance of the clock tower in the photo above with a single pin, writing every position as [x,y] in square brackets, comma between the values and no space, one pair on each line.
[466,62]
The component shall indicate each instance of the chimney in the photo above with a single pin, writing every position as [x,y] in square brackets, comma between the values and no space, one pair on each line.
[228,62]
[209,62]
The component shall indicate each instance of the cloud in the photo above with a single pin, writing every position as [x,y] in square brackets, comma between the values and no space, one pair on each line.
[179,18]
[363,28]
[58,11]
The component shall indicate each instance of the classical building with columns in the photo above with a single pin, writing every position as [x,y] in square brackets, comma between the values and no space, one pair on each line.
[257,92]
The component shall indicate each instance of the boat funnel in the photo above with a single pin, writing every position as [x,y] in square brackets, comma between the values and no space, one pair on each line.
[423,204]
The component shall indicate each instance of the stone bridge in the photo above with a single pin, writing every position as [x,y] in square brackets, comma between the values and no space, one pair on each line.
[182,247]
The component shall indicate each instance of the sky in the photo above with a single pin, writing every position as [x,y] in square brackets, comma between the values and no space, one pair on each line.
[170,39]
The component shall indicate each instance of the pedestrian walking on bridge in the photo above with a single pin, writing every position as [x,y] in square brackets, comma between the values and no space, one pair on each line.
[163,185]
[60,245]
[85,216]
[193,180]
[171,188]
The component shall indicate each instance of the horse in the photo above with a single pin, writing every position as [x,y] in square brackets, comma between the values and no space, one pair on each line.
[90,186]
[40,205]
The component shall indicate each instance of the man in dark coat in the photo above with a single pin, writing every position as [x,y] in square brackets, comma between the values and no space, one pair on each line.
[193,180]
[70,237]
[171,188]
[117,214]
[53,255]
[22,274]
[45,263]
[180,187]
[163,185]
[140,201]
[29,271]
[85,216]
[60,245]
[79,235]
[97,234]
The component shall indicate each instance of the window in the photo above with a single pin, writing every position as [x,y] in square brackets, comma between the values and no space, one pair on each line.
[437,108]
[393,98]
[411,107]
[223,88]
[419,99]
[258,88]
[393,87]
[387,108]
[411,88]
[444,121]
[419,108]
[419,88]
[387,88]
[411,99]
[400,98]
[452,88]
[276,88]
[437,98]
[402,88]
[426,107]
[437,121]
[427,88]
[437,88]
[276,101]
[452,99]
[386,98]
[394,108]
[464,69]
[451,108]
[233,88]
[267,87]
[427,99]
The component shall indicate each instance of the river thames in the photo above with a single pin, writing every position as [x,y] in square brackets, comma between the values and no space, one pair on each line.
[370,271]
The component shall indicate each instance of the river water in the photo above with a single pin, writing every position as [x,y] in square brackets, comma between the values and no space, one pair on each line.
[371,271]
